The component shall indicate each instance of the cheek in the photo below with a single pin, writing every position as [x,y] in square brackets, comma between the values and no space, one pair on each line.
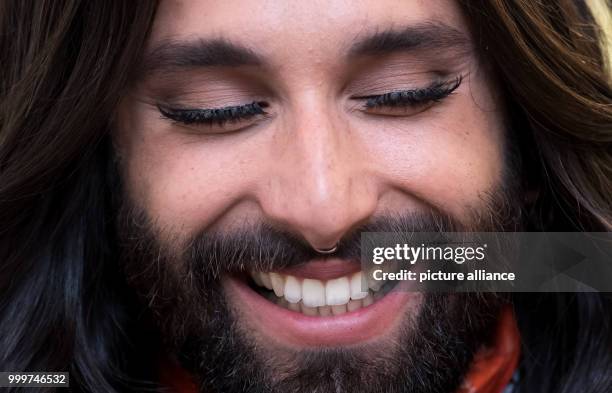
[451,158]
[182,182]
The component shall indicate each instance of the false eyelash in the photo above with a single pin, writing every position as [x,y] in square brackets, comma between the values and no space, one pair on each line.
[215,115]
[434,92]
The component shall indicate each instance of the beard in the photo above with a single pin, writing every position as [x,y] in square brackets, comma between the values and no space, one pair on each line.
[179,281]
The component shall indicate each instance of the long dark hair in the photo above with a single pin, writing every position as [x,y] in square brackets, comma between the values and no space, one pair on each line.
[62,306]
[65,64]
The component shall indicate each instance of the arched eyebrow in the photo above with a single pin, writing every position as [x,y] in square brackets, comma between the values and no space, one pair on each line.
[175,55]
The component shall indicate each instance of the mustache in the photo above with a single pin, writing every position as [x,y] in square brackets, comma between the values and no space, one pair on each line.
[262,247]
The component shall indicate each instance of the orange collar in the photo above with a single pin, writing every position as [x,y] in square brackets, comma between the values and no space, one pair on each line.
[491,371]
[494,366]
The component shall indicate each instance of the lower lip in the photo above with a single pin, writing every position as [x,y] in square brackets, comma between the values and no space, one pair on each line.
[294,328]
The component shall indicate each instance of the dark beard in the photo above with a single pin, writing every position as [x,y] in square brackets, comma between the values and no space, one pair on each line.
[431,353]
[431,356]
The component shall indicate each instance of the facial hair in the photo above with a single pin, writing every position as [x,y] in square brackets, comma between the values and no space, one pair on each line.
[181,286]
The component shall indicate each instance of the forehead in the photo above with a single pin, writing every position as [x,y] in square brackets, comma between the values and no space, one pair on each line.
[285,29]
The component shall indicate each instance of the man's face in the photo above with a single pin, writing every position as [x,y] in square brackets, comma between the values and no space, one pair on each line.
[284,126]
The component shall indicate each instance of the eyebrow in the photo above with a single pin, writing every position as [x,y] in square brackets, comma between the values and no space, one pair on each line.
[425,36]
[173,55]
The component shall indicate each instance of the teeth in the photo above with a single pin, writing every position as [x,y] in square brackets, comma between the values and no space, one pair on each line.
[325,311]
[278,284]
[338,310]
[265,279]
[373,284]
[356,282]
[366,301]
[337,291]
[313,293]
[319,298]
[354,305]
[293,290]
[257,278]
[310,311]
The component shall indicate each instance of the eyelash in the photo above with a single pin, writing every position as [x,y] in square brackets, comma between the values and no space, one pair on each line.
[433,93]
[218,116]
[221,116]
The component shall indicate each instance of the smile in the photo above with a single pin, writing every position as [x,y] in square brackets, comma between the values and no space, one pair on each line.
[319,303]
[314,297]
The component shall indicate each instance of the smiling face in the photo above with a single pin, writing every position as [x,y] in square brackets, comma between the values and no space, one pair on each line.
[292,125]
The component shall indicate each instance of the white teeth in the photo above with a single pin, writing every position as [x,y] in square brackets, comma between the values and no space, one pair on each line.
[265,279]
[293,290]
[356,283]
[313,293]
[278,284]
[337,291]
[319,298]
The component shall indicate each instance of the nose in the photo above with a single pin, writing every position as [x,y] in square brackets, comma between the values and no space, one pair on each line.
[318,185]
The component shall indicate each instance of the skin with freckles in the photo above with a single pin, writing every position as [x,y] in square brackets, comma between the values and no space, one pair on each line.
[322,150]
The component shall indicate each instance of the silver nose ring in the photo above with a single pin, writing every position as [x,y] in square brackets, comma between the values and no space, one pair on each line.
[325,251]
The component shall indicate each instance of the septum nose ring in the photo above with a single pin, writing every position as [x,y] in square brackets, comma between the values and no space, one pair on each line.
[326,251]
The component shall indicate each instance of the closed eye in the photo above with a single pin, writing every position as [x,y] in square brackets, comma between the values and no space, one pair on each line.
[407,102]
[221,118]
